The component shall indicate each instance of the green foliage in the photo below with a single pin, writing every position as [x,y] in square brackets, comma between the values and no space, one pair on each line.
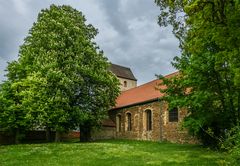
[61,75]
[232,139]
[208,83]
[13,117]
[232,144]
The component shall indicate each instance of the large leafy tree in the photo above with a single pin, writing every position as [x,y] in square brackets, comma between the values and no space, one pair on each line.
[64,77]
[208,83]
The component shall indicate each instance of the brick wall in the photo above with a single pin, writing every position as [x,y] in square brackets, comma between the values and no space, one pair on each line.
[36,136]
[162,129]
[106,132]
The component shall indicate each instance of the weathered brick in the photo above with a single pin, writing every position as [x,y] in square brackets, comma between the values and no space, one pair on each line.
[162,129]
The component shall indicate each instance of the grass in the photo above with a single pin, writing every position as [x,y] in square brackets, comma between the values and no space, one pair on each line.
[109,152]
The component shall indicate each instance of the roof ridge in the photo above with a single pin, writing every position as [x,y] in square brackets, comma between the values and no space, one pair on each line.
[121,66]
[151,81]
[132,89]
[172,73]
[144,93]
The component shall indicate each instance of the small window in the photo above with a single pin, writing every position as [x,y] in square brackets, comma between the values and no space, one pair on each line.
[173,115]
[129,122]
[149,120]
[118,123]
[125,83]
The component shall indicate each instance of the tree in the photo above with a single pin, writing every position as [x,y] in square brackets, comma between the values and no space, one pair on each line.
[208,84]
[13,117]
[64,76]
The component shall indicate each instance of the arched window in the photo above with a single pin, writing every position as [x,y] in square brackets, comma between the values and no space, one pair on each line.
[129,122]
[173,115]
[148,120]
[118,123]
[125,83]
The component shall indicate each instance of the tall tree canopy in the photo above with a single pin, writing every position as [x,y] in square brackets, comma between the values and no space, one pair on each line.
[208,84]
[62,77]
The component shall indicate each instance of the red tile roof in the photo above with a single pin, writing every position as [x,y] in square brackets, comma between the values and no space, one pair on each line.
[142,93]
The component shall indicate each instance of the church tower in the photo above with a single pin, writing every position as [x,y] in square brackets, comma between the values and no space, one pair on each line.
[125,76]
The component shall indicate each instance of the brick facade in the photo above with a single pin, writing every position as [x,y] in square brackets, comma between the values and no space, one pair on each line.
[37,136]
[161,129]
[140,113]
[106,132]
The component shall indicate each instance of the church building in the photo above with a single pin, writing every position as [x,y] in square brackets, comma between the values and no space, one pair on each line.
[141,114]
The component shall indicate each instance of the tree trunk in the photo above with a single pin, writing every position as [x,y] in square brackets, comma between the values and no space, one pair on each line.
[48,134]
[17,136]
[85,133]
[57,136]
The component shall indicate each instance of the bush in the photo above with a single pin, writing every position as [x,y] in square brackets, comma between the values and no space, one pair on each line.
[232,144]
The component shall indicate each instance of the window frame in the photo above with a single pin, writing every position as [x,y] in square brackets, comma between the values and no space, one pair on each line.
[118,123]
[125,84]
[149,122]
[173,115]
[129,121]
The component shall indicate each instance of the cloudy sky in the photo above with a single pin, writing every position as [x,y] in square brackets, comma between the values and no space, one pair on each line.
[128,32]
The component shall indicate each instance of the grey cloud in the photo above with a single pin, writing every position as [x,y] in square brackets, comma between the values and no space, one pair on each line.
[115,16]
[17,18]
[147,49]
[128,32]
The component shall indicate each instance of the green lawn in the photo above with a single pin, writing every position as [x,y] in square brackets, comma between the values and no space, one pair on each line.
[112,152]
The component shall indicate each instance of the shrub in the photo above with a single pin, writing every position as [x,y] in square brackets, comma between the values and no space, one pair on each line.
[232,144]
